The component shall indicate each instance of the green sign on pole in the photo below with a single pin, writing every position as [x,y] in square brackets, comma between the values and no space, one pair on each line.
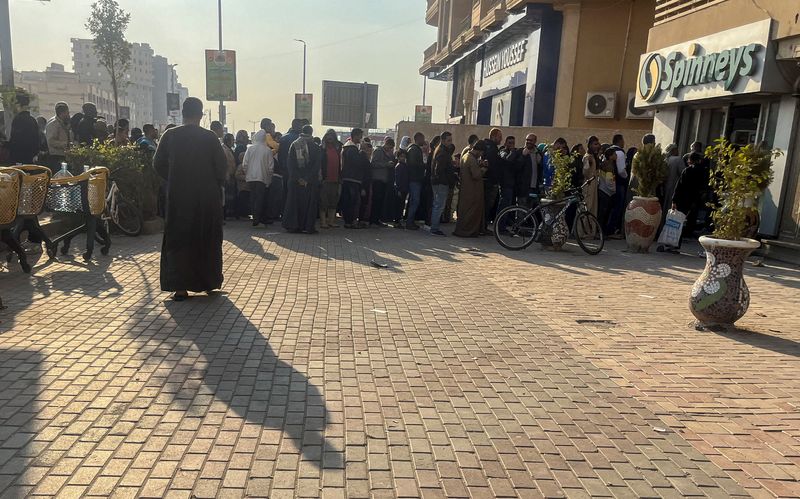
[303,106]
[422,114]
[220,75]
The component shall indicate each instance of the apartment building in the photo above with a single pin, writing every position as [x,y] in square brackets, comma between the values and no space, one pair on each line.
[55,84]
[729,68]
[150,77]
[562,63]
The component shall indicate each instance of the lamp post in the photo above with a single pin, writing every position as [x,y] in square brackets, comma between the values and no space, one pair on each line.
[172,90]
[221,103]
[304,62]
[6,64]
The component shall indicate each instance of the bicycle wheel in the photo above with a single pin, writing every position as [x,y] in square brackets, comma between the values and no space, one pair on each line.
[516,227]
[127,218]
[589,233]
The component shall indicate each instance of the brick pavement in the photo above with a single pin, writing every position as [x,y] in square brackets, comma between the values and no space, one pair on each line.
[451,373]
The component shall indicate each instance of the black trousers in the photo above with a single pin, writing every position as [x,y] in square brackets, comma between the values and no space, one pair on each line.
[350,201]
[376,213]
[258,202]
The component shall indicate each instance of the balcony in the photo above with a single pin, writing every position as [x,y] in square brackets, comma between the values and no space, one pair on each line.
[432,13]
[429,64]
[516,5]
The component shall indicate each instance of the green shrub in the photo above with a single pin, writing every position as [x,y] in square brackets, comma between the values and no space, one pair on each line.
[738,177]
[650,169]
[562,173]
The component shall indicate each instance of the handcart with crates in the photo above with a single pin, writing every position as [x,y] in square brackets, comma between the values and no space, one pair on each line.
[83,194]
[32,183]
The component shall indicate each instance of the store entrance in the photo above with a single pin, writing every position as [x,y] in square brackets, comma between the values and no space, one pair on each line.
[743,124]
[503,109]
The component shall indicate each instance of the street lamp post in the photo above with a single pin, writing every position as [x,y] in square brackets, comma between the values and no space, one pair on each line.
[304,63]
[221,103]
[172,89]
[6,63]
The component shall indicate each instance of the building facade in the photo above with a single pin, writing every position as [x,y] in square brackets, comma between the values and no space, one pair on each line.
[150,77]
[729,68]
[57,85]
[546,63]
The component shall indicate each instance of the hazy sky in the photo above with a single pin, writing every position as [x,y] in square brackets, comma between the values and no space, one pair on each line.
[378,41]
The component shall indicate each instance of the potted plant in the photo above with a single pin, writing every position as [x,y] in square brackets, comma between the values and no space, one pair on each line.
[738,176]
[643,215]
[555,235]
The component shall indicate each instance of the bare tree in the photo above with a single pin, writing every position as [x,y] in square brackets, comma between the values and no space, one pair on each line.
[107,24]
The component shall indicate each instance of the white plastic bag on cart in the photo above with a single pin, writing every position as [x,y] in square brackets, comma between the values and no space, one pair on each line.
[673,227]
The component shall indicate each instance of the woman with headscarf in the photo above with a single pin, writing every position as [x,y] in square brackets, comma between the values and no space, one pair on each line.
[258,165]
[405,142]
[303,170]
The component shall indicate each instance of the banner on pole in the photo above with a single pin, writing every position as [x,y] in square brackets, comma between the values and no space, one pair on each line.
[220,75]
[303,106]
[422,114]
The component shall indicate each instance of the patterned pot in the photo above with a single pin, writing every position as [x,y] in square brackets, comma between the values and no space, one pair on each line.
[642,218]
[556,235]
[720,295]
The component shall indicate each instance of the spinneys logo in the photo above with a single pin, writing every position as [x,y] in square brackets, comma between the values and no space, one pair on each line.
[676,71]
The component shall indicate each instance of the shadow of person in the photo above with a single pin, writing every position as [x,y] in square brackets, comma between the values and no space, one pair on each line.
[243,372]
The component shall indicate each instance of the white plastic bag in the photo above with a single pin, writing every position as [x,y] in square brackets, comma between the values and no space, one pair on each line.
[673,227]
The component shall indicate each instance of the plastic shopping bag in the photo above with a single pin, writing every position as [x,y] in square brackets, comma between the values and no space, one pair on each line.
[673,227]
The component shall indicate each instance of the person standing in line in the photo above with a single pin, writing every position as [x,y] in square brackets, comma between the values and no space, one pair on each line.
[529,175]
[277,188]
[688,196]
[365,208]
[229,189]
[258,166]
[41,121]
[416,175]
[119,135]
[192,162]
[606,187]
[470,142]
[23,144]
[426,197]
[331,173]
[87,132]
[149,138]
[441,175]
[589,167]
[618,210]
[382,163]
[400,189]
[494,173]
[268,126]
[304,175]
[509,161]
[242,191]
[59,136]
[471,206]
[352,178]
[548,169]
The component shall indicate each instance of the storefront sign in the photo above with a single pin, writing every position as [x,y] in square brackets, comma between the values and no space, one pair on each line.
[727,63]
[220,75]
[504,58]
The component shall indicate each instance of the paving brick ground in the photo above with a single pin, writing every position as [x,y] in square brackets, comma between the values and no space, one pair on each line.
[459,371]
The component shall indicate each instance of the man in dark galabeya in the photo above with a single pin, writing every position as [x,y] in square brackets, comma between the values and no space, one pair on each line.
[192,162]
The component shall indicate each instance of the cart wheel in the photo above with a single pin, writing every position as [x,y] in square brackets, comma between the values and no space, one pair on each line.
[104,250]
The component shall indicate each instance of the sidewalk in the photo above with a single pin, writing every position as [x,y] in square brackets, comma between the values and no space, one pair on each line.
[461,370]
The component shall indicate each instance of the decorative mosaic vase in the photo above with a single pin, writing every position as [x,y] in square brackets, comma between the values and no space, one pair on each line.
[720,295]
[553,236]
[642,218]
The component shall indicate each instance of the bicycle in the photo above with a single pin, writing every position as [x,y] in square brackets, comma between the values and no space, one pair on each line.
[517,227]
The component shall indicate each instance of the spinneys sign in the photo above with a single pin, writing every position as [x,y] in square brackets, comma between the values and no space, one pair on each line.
[723,64]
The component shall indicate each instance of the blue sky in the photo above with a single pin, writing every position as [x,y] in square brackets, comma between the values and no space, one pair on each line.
[376,41]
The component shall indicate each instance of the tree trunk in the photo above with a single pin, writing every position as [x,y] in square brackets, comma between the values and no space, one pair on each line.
[116,98]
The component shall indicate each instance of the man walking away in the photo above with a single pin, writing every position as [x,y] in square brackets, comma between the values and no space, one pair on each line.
[258,165]
[416,175]
[352,178]
[23,144]
[304,162]
[493,173]
[441,173]
[618,211]
[192,162]
[59,136]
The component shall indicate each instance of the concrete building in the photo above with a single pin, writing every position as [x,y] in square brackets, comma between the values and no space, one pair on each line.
[55,85]
[560,63]
[149,79]
[729,68]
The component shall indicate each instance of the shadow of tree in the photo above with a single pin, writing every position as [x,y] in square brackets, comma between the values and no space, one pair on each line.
[243,372]
[760,340]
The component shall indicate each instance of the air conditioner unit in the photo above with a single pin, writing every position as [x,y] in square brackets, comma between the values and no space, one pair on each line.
[600,104]
[632,113]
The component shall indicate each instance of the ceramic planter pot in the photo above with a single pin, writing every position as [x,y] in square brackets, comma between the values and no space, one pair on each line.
[720,295]
[642,218]
[556,235]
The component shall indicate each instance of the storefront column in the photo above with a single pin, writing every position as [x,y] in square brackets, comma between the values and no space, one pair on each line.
[785,132]
[665,123]
[566,65]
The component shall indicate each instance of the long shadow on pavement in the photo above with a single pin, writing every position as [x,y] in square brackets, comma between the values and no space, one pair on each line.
[761,340]
[244,373]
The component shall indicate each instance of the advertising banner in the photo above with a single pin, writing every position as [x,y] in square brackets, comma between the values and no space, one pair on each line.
[220,75]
